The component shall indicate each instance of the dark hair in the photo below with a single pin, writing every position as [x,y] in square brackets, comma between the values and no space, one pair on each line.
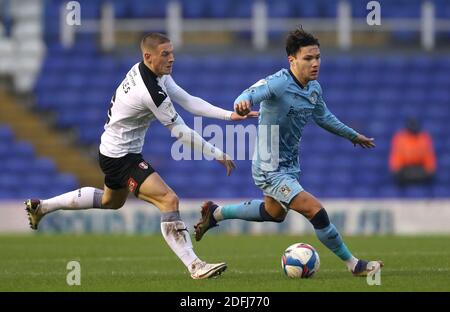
[152,40]
[299,38]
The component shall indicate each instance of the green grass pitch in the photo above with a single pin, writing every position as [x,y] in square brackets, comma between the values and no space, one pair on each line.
[145,263]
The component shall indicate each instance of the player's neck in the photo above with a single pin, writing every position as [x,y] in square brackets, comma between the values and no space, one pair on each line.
[149,66]
[298,79]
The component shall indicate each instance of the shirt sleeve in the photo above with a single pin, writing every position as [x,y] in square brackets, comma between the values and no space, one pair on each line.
[193,104]
[325,119]
[163,110]
[192,139]
[265,89]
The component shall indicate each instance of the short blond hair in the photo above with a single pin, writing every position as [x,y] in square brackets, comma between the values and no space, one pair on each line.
[152,40]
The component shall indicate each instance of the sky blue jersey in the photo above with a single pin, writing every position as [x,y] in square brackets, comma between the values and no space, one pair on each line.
[285,108]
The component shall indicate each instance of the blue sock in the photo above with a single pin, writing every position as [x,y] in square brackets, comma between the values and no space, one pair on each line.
[329,236]
[253,210]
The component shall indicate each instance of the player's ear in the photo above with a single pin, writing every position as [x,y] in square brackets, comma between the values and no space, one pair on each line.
[291,59]
[147,56]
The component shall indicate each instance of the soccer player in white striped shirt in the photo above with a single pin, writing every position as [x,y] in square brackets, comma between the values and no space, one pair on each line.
[145,95]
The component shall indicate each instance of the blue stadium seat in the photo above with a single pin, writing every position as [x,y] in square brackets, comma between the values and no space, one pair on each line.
[418,192]
[6,134]
[280,8]
[148,9]
[390,191]
[440,191]
[121,8]
[335,192]
[358,8]
[90,9]
[10,183]
[395,62]
[396,79]
[50,81]
[5,194]
[66,181]
[19,161]
[242,9]
[221,9]
[442,9]
[90,135]
[194,8]
[17,166]
[44,167]
[23,150]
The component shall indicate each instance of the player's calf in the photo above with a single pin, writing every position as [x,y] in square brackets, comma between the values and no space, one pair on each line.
[253,210]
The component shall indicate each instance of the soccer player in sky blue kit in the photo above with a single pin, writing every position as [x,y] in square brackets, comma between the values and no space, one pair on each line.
[288,99]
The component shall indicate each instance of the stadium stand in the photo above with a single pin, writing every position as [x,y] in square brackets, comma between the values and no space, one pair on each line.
[26,138]
[384,90]
[20,165]
[375,106]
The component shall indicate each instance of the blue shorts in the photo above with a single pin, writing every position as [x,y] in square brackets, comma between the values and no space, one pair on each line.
[281,185]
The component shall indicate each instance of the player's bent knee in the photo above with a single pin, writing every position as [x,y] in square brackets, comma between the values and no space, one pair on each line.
[311,211]
[170,201]
[306,204]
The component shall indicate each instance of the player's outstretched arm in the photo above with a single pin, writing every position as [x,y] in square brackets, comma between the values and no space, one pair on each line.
[191,138]
[364,141]
[200,107]
[257,93]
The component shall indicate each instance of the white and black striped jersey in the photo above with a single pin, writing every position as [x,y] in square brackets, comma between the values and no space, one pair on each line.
[141,98]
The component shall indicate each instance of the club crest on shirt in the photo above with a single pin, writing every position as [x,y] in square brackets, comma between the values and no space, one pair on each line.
[313,97]
[285,190]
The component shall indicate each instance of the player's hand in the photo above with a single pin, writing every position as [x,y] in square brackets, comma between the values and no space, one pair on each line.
[243,108]
[237,117]
[228,163]
[364,141]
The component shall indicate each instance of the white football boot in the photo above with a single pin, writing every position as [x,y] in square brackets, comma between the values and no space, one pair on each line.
[201,269]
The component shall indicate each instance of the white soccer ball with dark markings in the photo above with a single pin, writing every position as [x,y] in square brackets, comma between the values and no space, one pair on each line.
[300,260]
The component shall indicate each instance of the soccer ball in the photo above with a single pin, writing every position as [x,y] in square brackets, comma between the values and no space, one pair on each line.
[300,260]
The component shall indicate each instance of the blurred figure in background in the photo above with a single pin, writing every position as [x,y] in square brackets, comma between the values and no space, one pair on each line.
[412,159]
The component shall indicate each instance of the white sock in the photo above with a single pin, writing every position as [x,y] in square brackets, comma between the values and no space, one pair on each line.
[351,263]
[83,198]
[177,237]
[218,214]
